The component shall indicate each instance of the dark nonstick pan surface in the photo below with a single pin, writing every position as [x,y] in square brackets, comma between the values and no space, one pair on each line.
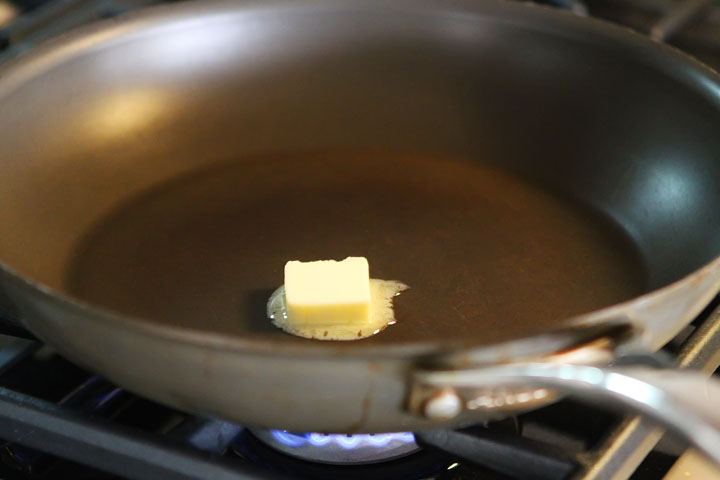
[485,252]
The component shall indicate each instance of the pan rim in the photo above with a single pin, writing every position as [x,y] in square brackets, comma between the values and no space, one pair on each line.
[661,57]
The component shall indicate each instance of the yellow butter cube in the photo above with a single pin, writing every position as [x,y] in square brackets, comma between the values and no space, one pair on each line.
[328,292]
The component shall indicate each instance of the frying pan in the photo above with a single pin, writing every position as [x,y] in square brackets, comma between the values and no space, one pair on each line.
[546,185]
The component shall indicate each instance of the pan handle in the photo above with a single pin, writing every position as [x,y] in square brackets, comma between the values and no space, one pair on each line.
[683,401]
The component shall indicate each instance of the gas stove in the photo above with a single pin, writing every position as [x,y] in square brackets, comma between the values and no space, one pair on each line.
[58,420]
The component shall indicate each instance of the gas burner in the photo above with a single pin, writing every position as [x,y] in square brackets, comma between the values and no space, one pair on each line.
[340,449]
[355,457]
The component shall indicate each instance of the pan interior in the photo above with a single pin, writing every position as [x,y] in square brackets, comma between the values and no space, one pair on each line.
[488,255]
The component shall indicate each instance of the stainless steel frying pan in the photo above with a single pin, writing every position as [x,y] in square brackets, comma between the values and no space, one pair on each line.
[547,185]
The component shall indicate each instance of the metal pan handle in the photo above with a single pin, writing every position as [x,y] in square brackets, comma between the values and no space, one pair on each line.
[686,402]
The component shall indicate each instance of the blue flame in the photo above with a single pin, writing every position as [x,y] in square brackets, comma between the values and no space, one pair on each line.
[348,442]
[287,438]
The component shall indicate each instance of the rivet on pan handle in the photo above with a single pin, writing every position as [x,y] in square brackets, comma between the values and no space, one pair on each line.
[683,401]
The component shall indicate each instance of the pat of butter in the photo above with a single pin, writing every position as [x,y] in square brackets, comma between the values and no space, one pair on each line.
[327,292]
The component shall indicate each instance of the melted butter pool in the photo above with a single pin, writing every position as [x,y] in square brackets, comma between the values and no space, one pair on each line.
[382,315]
